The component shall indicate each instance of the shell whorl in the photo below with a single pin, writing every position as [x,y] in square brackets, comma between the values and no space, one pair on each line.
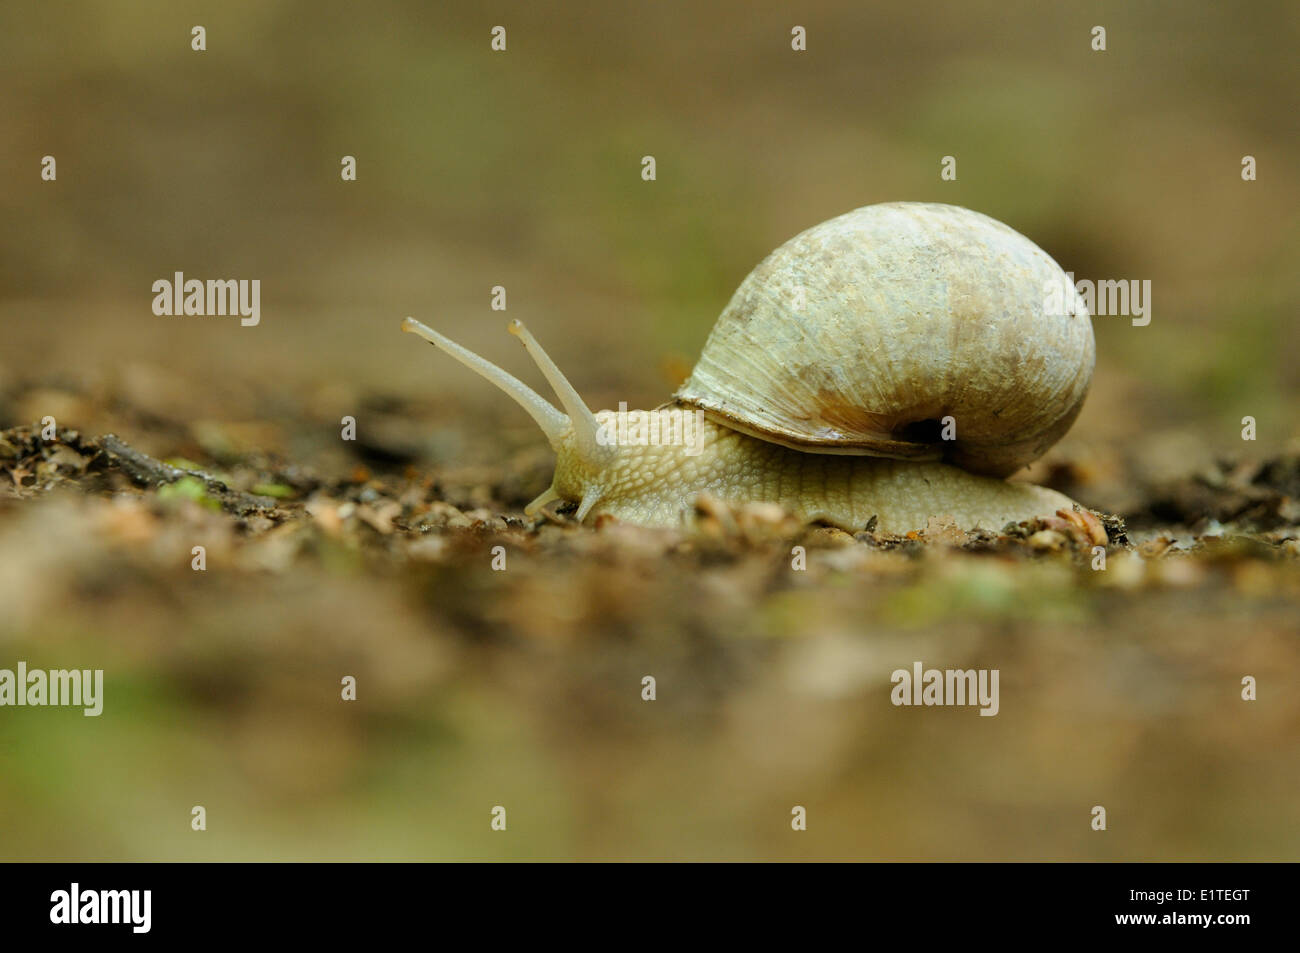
[861,334]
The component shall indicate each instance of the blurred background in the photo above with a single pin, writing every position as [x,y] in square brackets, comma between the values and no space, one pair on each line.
[523,169]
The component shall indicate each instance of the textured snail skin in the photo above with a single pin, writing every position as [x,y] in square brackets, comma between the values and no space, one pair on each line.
[657,485]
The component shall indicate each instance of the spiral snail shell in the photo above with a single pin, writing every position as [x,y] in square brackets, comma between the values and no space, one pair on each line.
[884,367]
[862,333]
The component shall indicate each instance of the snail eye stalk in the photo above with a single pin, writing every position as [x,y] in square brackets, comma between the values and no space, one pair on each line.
[585,427]
[553,423]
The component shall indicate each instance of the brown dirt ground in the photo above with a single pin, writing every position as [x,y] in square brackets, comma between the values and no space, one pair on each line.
[522,687]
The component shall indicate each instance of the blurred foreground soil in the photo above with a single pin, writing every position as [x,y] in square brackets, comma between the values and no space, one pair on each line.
[522,687]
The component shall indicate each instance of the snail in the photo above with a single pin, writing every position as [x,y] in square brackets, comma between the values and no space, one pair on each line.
[889,365]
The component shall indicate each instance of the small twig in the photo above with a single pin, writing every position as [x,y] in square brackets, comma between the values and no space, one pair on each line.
[146,470]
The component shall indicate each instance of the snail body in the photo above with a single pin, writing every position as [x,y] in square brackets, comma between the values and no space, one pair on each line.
[892,363]
[656,485]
